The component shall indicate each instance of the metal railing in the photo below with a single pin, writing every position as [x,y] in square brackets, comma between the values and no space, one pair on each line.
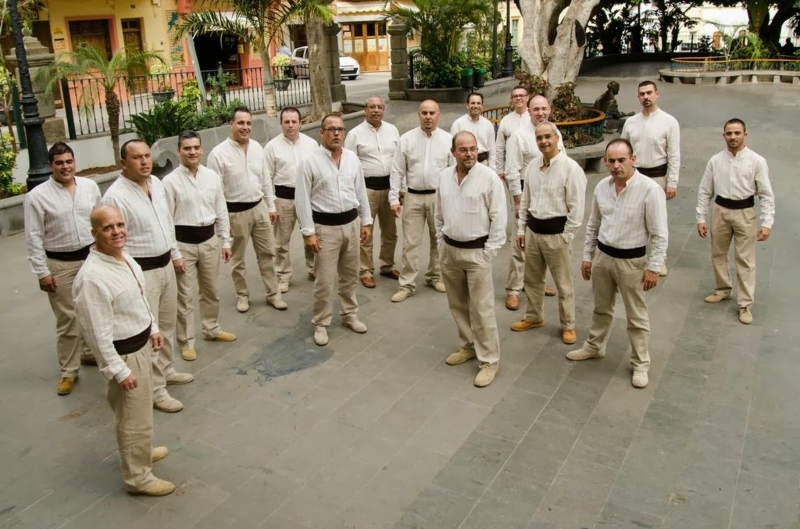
[721,64]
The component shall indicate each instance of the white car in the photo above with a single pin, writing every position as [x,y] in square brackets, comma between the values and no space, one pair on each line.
[348,66]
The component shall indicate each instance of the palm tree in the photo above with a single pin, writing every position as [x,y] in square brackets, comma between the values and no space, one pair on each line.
[255,22]
[89,61]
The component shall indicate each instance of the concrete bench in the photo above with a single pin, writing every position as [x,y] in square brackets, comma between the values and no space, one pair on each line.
[590,157]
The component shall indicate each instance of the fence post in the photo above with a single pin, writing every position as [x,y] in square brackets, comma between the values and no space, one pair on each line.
[66,99]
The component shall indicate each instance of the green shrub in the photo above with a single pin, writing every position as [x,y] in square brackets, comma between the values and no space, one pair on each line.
[8,161]
[162,120]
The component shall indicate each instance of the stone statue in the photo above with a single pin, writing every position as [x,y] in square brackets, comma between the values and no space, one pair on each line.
[607,103]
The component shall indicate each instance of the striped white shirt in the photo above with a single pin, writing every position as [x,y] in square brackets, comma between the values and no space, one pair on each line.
[419,160]
[150,229]
[198,200]
[558,192]
[326,188]
[483,130]
[629,220]
[57,221]
[510,123]
[374,147]
[111,304]
[520,150]
[656,140]
[282,158]
[474,209]
[737,177]
[244,177]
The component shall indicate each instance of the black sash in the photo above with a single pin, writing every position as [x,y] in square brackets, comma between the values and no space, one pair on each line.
[151,263]
[194,234]
[480,242]
[132,344]
[483,156]
[76,255]
[334,219]
[377,183]
[549,226]
[653,172]
[284,192]
[238,207]
[735,204]
[421,191]
[626,253]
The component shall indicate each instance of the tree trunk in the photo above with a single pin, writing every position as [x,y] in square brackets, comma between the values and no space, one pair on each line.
[558,61]
[113,106]
[270,101]
[318,64]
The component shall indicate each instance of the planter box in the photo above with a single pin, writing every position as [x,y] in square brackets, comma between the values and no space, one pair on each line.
[282,85]
[585,132]
[160,97]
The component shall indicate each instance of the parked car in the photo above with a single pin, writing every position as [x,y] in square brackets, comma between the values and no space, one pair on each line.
[348,66]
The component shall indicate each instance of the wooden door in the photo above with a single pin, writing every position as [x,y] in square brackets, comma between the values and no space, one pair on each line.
[132,38]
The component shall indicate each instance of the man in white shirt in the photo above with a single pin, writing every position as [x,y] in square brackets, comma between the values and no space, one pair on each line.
[239,160]
[197,204]
[628,210]
[521,149]
[334,216]
[421,155]
[375,141]
[112,306]
[510,123]
[551,212]
[656,140]
[480,127]
[735,175]
[58,235]
[471,227]
[283,155]
[151,242]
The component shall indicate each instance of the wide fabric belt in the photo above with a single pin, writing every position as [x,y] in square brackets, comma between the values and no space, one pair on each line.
[377,183]
[134,343]
[735,204]
[480,242]
[284,192]
[549,226]
[622,253]
[421,191]
[76,255]
[653,172]
[238,207]
[483,156]
[193,234]
[334,219]
[151,263]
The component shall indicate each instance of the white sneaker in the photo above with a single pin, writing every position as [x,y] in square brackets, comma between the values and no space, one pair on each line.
[401,295]
[438,286]
[283,286]
[745,316]
[356,325]
[639,379]
[278,304]
[320,335]
[583,354]
[716,297]
[242,304]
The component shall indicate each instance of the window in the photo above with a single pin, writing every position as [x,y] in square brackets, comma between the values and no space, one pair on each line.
[515,32]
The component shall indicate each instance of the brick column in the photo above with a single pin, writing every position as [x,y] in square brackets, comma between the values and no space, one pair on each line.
[398,46]
[338,91]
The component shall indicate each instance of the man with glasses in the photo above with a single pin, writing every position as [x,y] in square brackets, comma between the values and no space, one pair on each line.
[375,141]
[480,127]
[333,211]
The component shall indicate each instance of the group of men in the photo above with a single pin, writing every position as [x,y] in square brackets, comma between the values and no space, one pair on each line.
[122,270]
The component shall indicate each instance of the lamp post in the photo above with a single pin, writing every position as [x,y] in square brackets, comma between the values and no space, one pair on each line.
[494,39]
[38,171]
[508,67]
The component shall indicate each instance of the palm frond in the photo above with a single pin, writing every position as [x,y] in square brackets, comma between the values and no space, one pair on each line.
[202,22]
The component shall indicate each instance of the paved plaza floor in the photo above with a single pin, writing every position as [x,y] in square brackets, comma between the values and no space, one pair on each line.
[375,430]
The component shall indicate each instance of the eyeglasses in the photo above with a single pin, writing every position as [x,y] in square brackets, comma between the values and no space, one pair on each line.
[334,130]
[375,107]
[518,96]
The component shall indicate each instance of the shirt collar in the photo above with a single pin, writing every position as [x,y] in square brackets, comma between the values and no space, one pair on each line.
[734,156]
[58,184]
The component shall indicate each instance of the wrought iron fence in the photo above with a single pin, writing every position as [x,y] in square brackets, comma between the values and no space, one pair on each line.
[720,64]
[416,64]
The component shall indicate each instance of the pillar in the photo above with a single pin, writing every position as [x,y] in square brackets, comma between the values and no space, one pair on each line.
[398,46]
[338,90]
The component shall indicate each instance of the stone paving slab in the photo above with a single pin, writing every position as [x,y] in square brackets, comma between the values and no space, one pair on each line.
[375,430]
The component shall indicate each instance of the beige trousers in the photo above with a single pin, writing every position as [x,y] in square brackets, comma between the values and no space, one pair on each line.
[418,210]
[379,206]
[741,226]
[516,269]
[338,255]
[133,421]
[70,345]
[202,269]
[254,223]
[660,180]
[287,219]
[610,275]
[162,296]
[553,252]
[467,274]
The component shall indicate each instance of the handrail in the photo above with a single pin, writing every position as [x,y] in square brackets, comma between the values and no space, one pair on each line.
[490,114]
[717,63]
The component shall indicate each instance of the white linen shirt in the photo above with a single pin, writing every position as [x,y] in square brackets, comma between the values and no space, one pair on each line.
[198,200]
[629,220]
[419,160]
[737,177]
[510,123]
[483,130]
[520,151]
[244,177]
[558,192]
[58,221]
[374,147]
[150,229]
[474,209]
[282,158]
[326,188]
[656,140]
[111,304]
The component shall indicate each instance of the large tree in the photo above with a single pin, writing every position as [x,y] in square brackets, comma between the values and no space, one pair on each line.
[767,26]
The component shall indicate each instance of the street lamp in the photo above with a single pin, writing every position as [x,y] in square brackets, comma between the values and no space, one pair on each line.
[508,67]
[494,39]
[38,171]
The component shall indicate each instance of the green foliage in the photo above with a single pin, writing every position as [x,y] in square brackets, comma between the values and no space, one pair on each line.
[431,72]
[704,45]
[8,160]
[566,105]
[190,94]
[608,29]
[162,120]
[535,85]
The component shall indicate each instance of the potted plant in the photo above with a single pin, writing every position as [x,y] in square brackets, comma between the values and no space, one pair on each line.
[160,74]
[282,64]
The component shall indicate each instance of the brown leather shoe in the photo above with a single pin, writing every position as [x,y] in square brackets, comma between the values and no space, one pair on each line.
[523,325]
[368,281]
[549,291]
[65,386]
[568,336]
[512,302]
[391,274]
